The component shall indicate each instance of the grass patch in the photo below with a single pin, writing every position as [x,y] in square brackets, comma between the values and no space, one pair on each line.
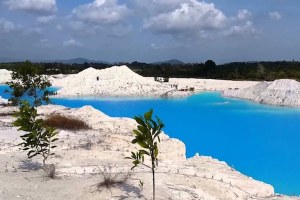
[110,179]
[66,123]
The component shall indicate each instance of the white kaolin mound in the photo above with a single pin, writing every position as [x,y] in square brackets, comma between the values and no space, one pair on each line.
[82,156]
[114,81]
[5,76]
[3,101]
[283,92]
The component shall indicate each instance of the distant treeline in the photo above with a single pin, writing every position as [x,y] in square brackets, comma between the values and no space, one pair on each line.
[231,71]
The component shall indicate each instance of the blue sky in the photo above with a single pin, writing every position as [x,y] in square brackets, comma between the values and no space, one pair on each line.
[150,30]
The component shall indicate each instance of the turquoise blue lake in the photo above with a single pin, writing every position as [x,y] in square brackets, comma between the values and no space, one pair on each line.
[258,140]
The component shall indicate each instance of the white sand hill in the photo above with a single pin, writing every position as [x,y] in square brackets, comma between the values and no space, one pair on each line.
[283,92]
[114,81]
[5,76]
[120,81]
[3,101]
[81,154]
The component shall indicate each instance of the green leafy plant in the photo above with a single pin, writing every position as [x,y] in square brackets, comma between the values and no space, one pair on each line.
[27,82]
[147,137]
[37,140]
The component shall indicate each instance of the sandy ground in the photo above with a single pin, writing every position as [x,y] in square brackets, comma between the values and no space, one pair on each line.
[84,157]
[121,81]
[282,92]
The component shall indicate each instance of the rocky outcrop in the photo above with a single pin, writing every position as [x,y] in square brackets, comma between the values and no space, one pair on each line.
[283,92]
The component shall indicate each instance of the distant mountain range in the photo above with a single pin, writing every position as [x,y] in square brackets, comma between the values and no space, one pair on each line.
[84,60]
[76,61]
[172,62]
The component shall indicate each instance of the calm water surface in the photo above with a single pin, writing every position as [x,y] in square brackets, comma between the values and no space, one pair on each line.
[260,141]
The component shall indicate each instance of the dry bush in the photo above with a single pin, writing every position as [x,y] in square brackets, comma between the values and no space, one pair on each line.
[63,122]
[110,179]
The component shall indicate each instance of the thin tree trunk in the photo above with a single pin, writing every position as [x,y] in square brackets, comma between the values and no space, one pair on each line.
[153,179]
[153,174]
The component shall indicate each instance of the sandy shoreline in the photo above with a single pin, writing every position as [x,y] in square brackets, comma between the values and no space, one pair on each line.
[122,82]
[80,154]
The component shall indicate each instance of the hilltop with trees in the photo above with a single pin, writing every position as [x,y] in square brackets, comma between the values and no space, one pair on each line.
[266,70]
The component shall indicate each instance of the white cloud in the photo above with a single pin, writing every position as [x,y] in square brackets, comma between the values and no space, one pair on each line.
[242,30]
[275,16]
[167,2]
[59,27]
[77,25]
[44,40]
[82,27]
[35,30]
[120,31]
[7,26]
[101,12]
[190,16]
[39,6]
[72,43]
[46,19]
[45,43]
[243,14]
[157,46]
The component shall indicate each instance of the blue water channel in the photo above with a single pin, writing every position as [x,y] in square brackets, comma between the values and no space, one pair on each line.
[260,141]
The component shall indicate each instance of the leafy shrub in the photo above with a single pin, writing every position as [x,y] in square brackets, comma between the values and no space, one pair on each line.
[38,139]
[63,122]
[147,137]
[28,83]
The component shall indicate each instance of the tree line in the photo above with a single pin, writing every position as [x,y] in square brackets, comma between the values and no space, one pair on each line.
[231,71]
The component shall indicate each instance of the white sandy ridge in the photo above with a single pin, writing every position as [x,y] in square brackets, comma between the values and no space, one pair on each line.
[122,81]
[283,92]
[3,101]
[5,76]
[81,154]
[114,81]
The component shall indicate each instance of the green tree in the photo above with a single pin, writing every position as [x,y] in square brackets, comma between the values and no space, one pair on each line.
[27,82]
[147,137]
[38,139]
[28,90]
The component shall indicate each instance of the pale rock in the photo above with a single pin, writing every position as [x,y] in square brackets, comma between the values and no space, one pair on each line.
[282,92]
[5,76]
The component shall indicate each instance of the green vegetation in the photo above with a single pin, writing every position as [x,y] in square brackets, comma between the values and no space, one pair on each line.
[30,84]
[37,140]
[29,90]
[147,137]
[231,71]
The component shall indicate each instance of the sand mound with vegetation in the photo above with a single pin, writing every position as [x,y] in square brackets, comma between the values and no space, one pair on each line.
[114,81]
